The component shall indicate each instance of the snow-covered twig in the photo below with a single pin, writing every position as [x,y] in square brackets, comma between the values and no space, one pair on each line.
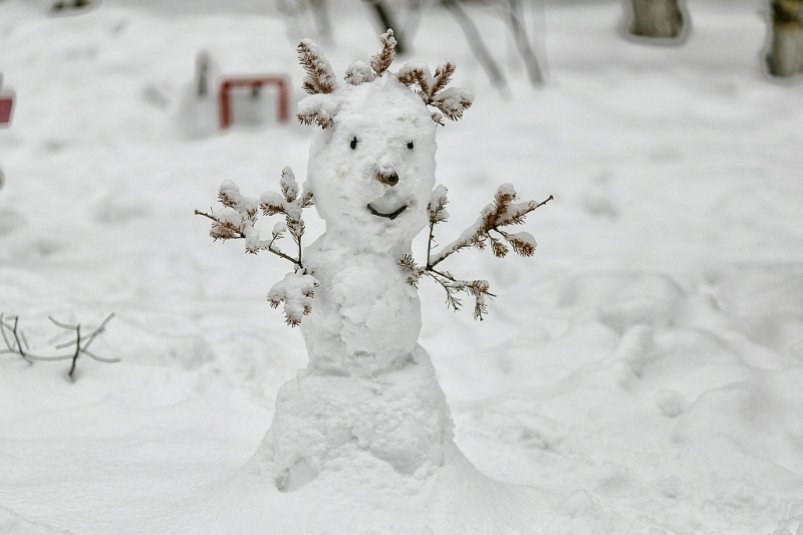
[486,230]
[237,221]
[238,217]
[502,212]
[296,291]
[17,344]
[320,76]
[451,102]
[381,61]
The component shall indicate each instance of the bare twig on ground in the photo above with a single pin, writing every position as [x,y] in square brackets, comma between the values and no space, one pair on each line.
[17,344]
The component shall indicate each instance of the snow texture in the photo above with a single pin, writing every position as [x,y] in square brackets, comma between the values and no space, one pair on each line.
[639,375]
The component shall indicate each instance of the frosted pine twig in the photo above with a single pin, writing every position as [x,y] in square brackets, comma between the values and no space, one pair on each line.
[237,220]
[451,102]
[238,217]
[17,344]
[487,229]
[296,291]
[320,76]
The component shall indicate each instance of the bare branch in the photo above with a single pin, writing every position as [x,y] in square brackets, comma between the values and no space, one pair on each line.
[62,324]
[100,359]
[99,330]
[19,344]
[77,352]
[3,328]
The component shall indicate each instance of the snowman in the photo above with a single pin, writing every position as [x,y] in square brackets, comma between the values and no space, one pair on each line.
[369,396]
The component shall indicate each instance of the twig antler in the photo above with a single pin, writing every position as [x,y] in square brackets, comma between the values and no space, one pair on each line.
[451,102]
[320,76]
[360,72]
[320,108]
[504,211]
[381,62]
[17,344]
[320,82]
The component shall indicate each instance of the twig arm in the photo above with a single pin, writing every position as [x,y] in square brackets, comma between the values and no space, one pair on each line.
[266,245]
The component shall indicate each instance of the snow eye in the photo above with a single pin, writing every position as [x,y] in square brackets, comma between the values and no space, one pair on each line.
[353,143]
[410,145]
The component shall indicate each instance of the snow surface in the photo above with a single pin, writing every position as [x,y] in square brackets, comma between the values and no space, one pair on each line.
[639,375]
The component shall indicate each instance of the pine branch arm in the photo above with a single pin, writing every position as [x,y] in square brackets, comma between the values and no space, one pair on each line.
[482,227]
[485,230]
[268,246]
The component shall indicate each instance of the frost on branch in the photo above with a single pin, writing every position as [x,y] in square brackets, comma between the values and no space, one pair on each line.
[322,105]
[318,109]
[381,62]
[238,217]
[451,102]
[359,72]
[296,291]
[320,76]
[487,231]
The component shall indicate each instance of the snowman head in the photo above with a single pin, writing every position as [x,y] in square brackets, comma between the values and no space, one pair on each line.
[372,166]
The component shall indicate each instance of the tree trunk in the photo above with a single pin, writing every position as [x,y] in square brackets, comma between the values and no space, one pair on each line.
[514,20]
[322,22]
[202,74]
[785,56]
[656,18]
[387,21]
[475,42]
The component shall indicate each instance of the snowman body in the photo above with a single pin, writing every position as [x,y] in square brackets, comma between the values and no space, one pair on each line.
[369,394]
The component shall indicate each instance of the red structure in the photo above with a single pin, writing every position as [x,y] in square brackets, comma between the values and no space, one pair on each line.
[253,83]
[6,104]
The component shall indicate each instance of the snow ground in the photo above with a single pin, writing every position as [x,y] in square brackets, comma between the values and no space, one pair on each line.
[641,374]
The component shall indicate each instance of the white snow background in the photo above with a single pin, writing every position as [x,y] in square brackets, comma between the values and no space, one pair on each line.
[642,373]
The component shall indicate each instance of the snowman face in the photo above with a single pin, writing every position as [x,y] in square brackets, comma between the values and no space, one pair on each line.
[373,172]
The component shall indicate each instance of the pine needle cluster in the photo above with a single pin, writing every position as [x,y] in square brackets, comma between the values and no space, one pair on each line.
[237,220]
[487,231]
[360,72]
[321,108]
[431,88]
[381,62]
[320,76]
[296,291]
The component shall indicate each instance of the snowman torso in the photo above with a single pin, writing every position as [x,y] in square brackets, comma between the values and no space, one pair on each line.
[366,317]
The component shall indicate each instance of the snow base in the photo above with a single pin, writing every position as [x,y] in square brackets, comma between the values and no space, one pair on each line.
[330,422]
[356,498]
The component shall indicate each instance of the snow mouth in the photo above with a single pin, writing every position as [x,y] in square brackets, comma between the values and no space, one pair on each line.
[392,215]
